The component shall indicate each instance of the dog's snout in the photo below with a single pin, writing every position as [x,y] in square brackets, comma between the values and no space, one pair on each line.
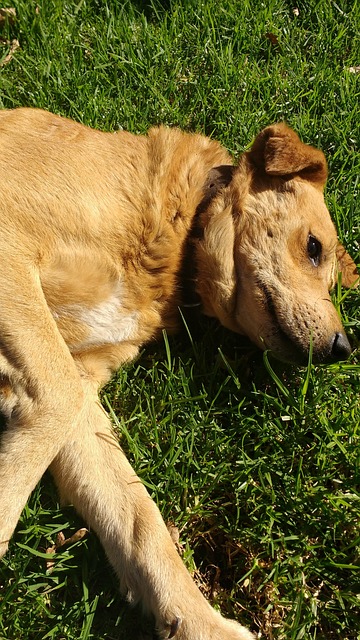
[340,346]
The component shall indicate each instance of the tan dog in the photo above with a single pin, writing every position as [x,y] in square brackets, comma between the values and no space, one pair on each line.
[95,230]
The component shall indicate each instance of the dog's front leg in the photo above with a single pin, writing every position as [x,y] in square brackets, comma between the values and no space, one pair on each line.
[93,473]
[42,386]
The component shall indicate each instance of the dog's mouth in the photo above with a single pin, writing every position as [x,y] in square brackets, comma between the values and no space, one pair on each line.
[288,347]
[280,343]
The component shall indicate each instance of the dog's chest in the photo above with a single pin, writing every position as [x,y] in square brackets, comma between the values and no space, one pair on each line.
[94,304]
[107,322]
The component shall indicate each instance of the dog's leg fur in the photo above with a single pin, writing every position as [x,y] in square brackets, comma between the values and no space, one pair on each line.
[117,506]
[35,400]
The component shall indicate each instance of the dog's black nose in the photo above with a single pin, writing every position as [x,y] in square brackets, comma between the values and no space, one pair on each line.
[340,347]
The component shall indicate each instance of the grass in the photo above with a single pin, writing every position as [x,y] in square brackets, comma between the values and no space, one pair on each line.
[256,463]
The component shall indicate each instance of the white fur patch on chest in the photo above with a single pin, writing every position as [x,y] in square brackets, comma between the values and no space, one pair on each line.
[105,322]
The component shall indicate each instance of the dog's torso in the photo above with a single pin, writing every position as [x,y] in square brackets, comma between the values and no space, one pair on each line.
[108,257]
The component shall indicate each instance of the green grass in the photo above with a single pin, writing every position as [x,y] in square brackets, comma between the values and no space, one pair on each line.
[256,463]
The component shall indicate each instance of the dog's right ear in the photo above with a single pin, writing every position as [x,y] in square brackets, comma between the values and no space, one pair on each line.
[278,151]
[347,267]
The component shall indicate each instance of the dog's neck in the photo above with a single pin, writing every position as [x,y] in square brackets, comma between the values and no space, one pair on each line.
[181,182]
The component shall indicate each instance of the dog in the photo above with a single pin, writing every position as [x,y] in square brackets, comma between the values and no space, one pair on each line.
[103,236]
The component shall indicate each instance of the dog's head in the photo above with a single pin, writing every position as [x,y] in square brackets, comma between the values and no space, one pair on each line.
[269,253]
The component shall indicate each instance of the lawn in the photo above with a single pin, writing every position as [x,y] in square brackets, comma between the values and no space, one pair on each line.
[254,462]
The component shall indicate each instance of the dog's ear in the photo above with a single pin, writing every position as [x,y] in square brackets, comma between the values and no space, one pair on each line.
[347,267]
[278,151]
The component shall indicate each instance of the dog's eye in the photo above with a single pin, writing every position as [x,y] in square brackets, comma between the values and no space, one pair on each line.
[314,250]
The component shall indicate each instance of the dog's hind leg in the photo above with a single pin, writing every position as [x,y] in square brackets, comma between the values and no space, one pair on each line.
[41,390]
[93,474]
